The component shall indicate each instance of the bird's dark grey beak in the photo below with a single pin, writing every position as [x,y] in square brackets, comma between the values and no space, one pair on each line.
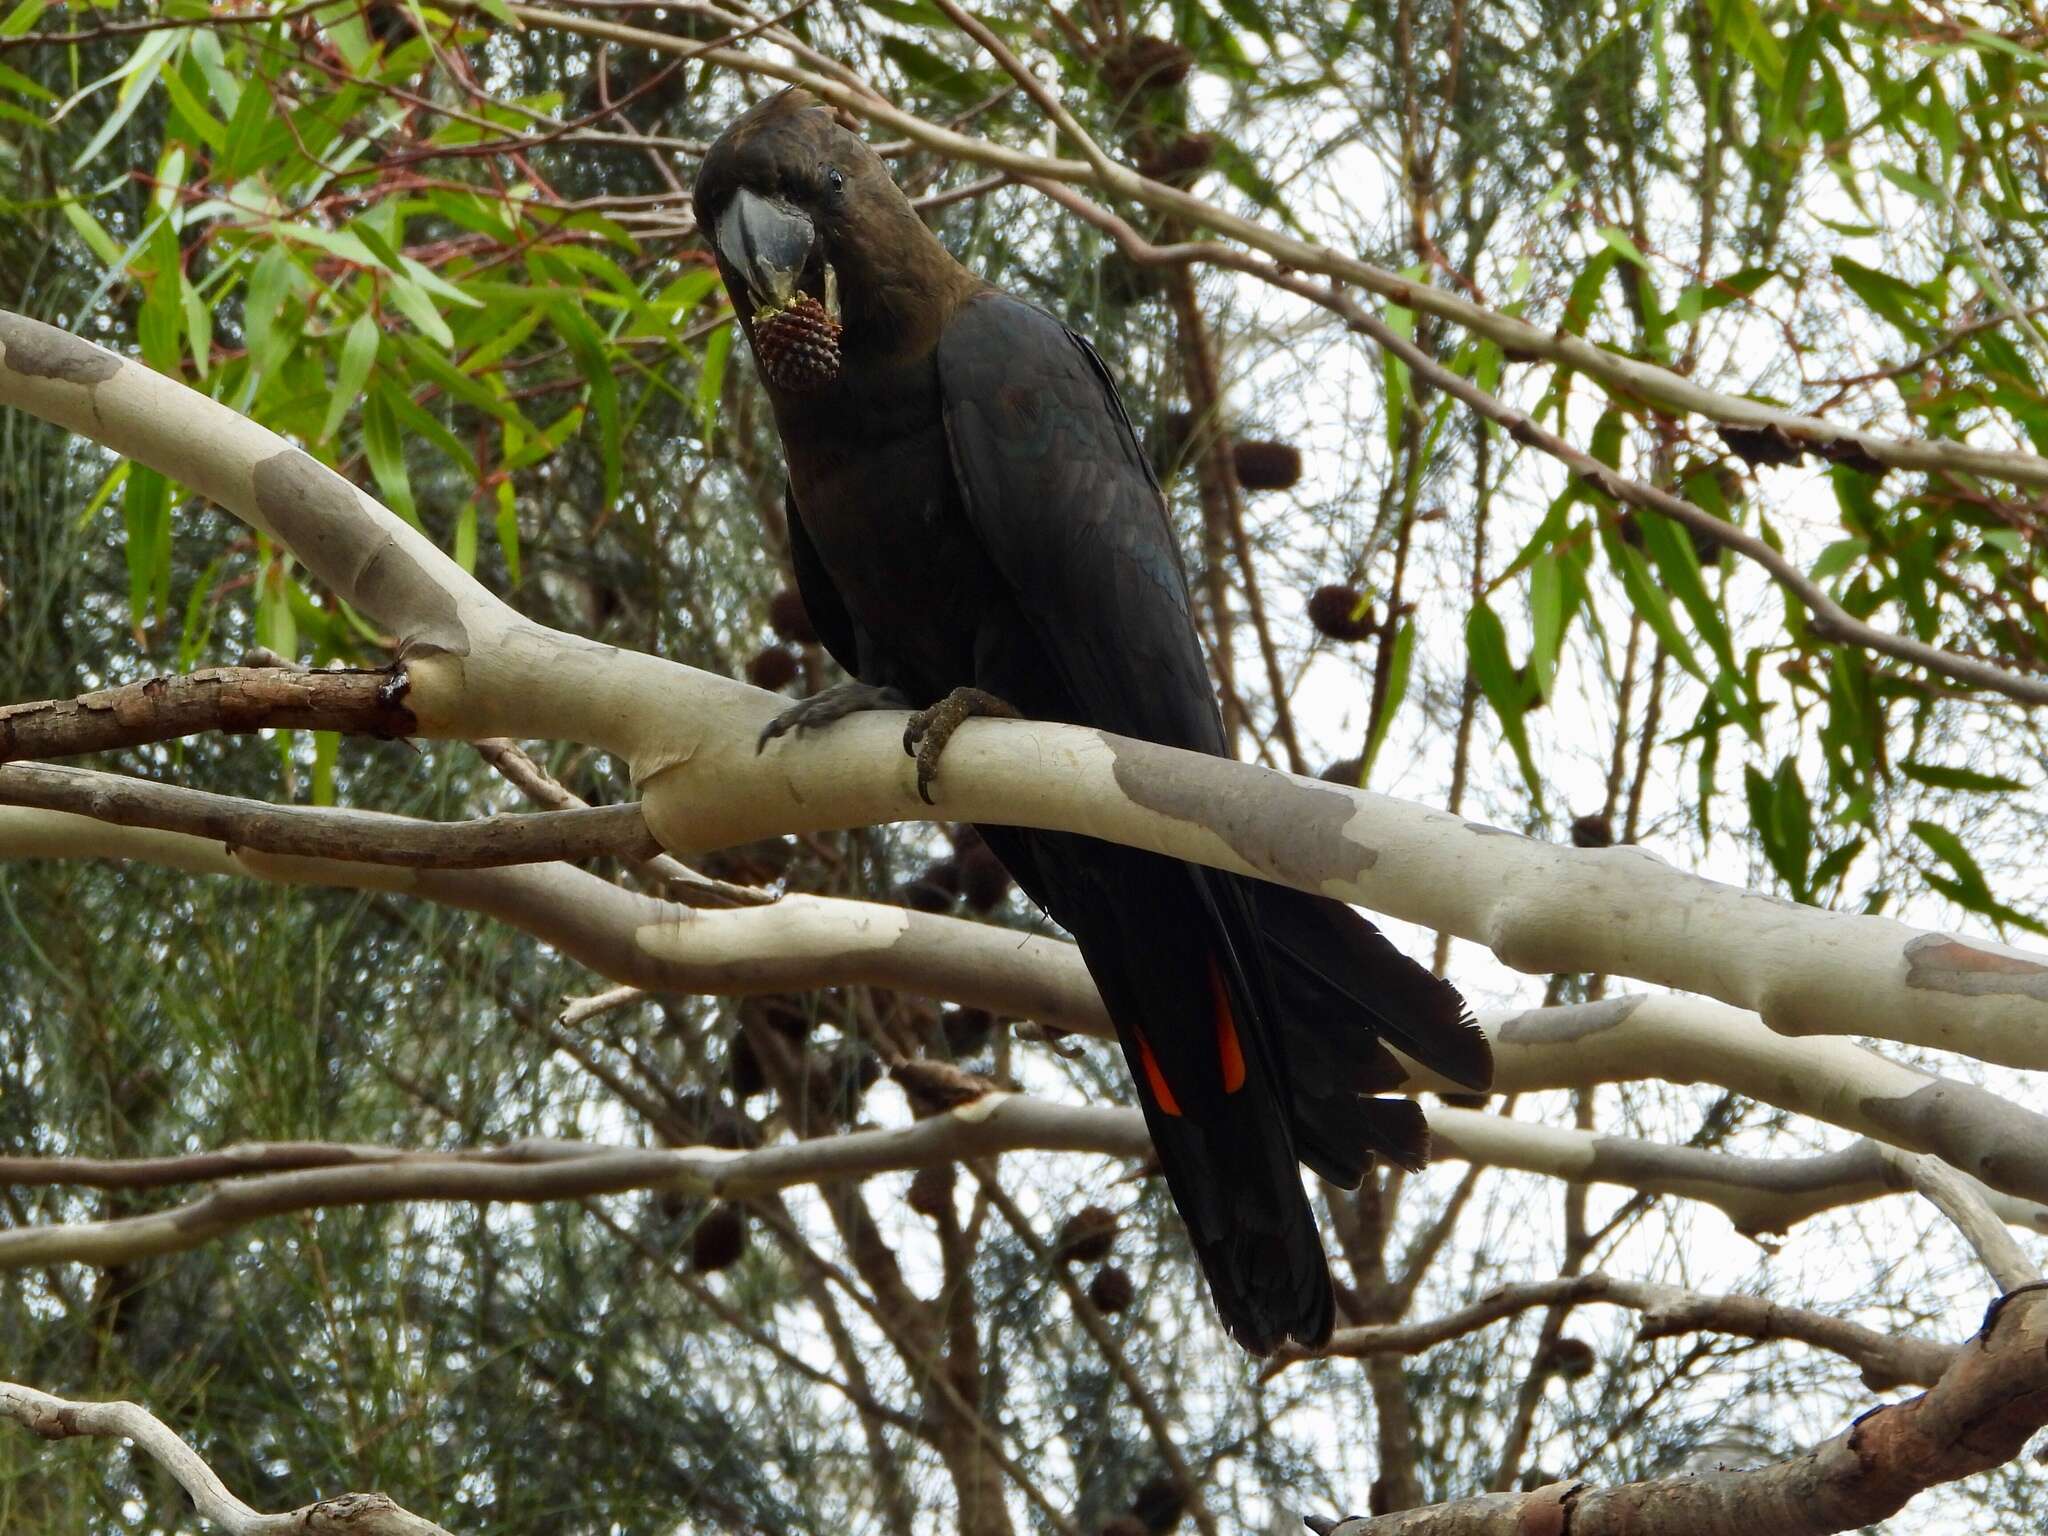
[767,245]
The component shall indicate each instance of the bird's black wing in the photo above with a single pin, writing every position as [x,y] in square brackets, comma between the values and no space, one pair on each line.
[1066,508]
[822,602]
[1251,1016]
[1065,505]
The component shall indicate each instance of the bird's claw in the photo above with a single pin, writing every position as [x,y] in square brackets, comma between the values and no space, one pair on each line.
[927,732]
[826,706]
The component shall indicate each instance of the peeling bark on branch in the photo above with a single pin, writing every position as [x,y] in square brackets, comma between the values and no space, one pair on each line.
[1979,1415]
[231,699]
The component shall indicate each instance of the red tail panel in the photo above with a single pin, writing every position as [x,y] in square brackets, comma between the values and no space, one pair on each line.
[1227,1049]
[1156,1078]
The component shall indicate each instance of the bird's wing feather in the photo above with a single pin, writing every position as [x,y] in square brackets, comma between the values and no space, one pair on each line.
[1066,506]
[822,602]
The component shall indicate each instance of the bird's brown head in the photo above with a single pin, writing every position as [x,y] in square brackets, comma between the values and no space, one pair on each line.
[827,264]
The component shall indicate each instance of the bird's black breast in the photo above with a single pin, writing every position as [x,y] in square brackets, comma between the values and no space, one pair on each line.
[874,489]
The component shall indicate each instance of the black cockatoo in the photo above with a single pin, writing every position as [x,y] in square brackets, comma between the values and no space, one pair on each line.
[975,530]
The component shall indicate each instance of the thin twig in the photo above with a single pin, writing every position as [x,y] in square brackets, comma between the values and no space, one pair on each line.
[1828,618]
[1886,1360]
[581,1010]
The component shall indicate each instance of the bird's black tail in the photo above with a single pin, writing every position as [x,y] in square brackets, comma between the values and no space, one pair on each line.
[1251,1018]
[1180,971]
[1175,952]
[1344,993]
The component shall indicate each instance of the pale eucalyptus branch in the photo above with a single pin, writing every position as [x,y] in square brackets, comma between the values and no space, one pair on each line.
[1952,1194]
[346,1514]
[543,1171]
[326,832]
[1886,1360]
[1757,1194]
[478,669]
[805,941]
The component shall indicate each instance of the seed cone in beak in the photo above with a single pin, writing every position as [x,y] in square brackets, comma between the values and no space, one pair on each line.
[797,345]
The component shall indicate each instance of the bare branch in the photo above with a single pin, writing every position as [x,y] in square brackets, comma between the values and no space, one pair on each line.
[321,832]
[1757,1194]
[347,1514]
[1886,1360]
[538,1171]
[231,699]
[1979,1415]
[1955,1197]
[245,1157]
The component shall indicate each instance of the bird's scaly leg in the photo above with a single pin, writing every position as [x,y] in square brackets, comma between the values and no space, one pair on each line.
[925,737]
[828,705]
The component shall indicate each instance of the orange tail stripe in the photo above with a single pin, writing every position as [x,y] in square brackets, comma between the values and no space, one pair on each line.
[1227,1048]
[1156,1079]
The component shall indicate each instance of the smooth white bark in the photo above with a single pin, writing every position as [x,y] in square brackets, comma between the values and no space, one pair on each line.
[348,1514]
[478,669]
[1758,1195]
[802,942]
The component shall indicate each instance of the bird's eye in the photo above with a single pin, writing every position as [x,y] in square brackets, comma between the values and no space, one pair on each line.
[834,181]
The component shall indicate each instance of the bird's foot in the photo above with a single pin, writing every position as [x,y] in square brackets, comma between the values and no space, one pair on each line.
[828,705]
[925,737]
